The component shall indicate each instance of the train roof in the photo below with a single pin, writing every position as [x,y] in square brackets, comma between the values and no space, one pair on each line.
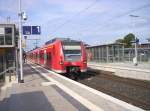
[61,39]
[65,41]
[111,44]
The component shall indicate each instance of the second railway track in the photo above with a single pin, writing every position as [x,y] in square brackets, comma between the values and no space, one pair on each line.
[135,92]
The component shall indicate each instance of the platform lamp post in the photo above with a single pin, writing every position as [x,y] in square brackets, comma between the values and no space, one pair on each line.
[22,16]
[135,42]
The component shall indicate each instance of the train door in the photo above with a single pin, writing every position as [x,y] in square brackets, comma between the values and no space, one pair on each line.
[32,57]
[42,57]
[35,57]
[45,57]
[49,60]
[38,61]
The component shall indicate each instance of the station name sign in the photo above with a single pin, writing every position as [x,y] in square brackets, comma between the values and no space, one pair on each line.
[31,30]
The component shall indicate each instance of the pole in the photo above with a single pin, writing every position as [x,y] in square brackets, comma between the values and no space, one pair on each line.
[135,58]
[20,43]
[107,53]
[136,63]
[17,62]
[36,43]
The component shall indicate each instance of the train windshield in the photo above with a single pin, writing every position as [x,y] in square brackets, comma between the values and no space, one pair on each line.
[72,51]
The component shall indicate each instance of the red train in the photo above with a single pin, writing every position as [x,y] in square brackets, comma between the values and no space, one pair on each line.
[61,55]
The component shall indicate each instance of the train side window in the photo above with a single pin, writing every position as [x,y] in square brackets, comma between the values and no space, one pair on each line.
[36,55]
[41,55]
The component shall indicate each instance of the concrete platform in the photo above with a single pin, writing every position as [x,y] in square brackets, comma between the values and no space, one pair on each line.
[127,70]
[44,90]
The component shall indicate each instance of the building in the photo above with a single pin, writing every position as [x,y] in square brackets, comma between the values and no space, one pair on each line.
[106,53]
[143,53]
[8,47]
[145,45]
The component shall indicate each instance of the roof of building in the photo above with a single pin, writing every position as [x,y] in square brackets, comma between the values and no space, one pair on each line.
[106,45]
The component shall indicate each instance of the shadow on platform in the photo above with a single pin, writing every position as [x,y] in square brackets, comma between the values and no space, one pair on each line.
[30,101]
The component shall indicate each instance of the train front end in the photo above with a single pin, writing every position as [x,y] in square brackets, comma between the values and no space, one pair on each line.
[74,56]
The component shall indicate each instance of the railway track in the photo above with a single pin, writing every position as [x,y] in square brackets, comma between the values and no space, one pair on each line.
[132,91]
[136,83]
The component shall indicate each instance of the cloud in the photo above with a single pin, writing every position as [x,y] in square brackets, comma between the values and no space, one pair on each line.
[75,6]
[103,20]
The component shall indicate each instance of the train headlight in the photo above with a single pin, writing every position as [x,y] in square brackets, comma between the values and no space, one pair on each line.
[61,62]
[85,62]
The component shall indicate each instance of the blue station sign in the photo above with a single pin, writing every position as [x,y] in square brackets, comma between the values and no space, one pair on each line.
[26,30]
[31,30]
[36,30]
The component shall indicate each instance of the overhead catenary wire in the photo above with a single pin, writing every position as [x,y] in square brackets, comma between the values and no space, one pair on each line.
[120,15]
[77,14]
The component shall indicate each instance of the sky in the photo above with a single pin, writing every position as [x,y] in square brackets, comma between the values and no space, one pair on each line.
[92,21]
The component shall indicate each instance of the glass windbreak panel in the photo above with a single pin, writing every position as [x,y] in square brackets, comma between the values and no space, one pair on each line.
[8,30]
[1,40]
[8,39]
[72,52]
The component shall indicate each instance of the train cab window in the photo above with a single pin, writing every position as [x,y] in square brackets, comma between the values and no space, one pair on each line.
[78,52]
[72,52]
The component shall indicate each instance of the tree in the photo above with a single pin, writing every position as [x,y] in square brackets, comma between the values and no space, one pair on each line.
[127,40]
[119,41]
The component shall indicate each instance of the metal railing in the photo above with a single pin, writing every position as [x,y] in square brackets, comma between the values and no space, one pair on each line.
[126,57]
[9,71]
